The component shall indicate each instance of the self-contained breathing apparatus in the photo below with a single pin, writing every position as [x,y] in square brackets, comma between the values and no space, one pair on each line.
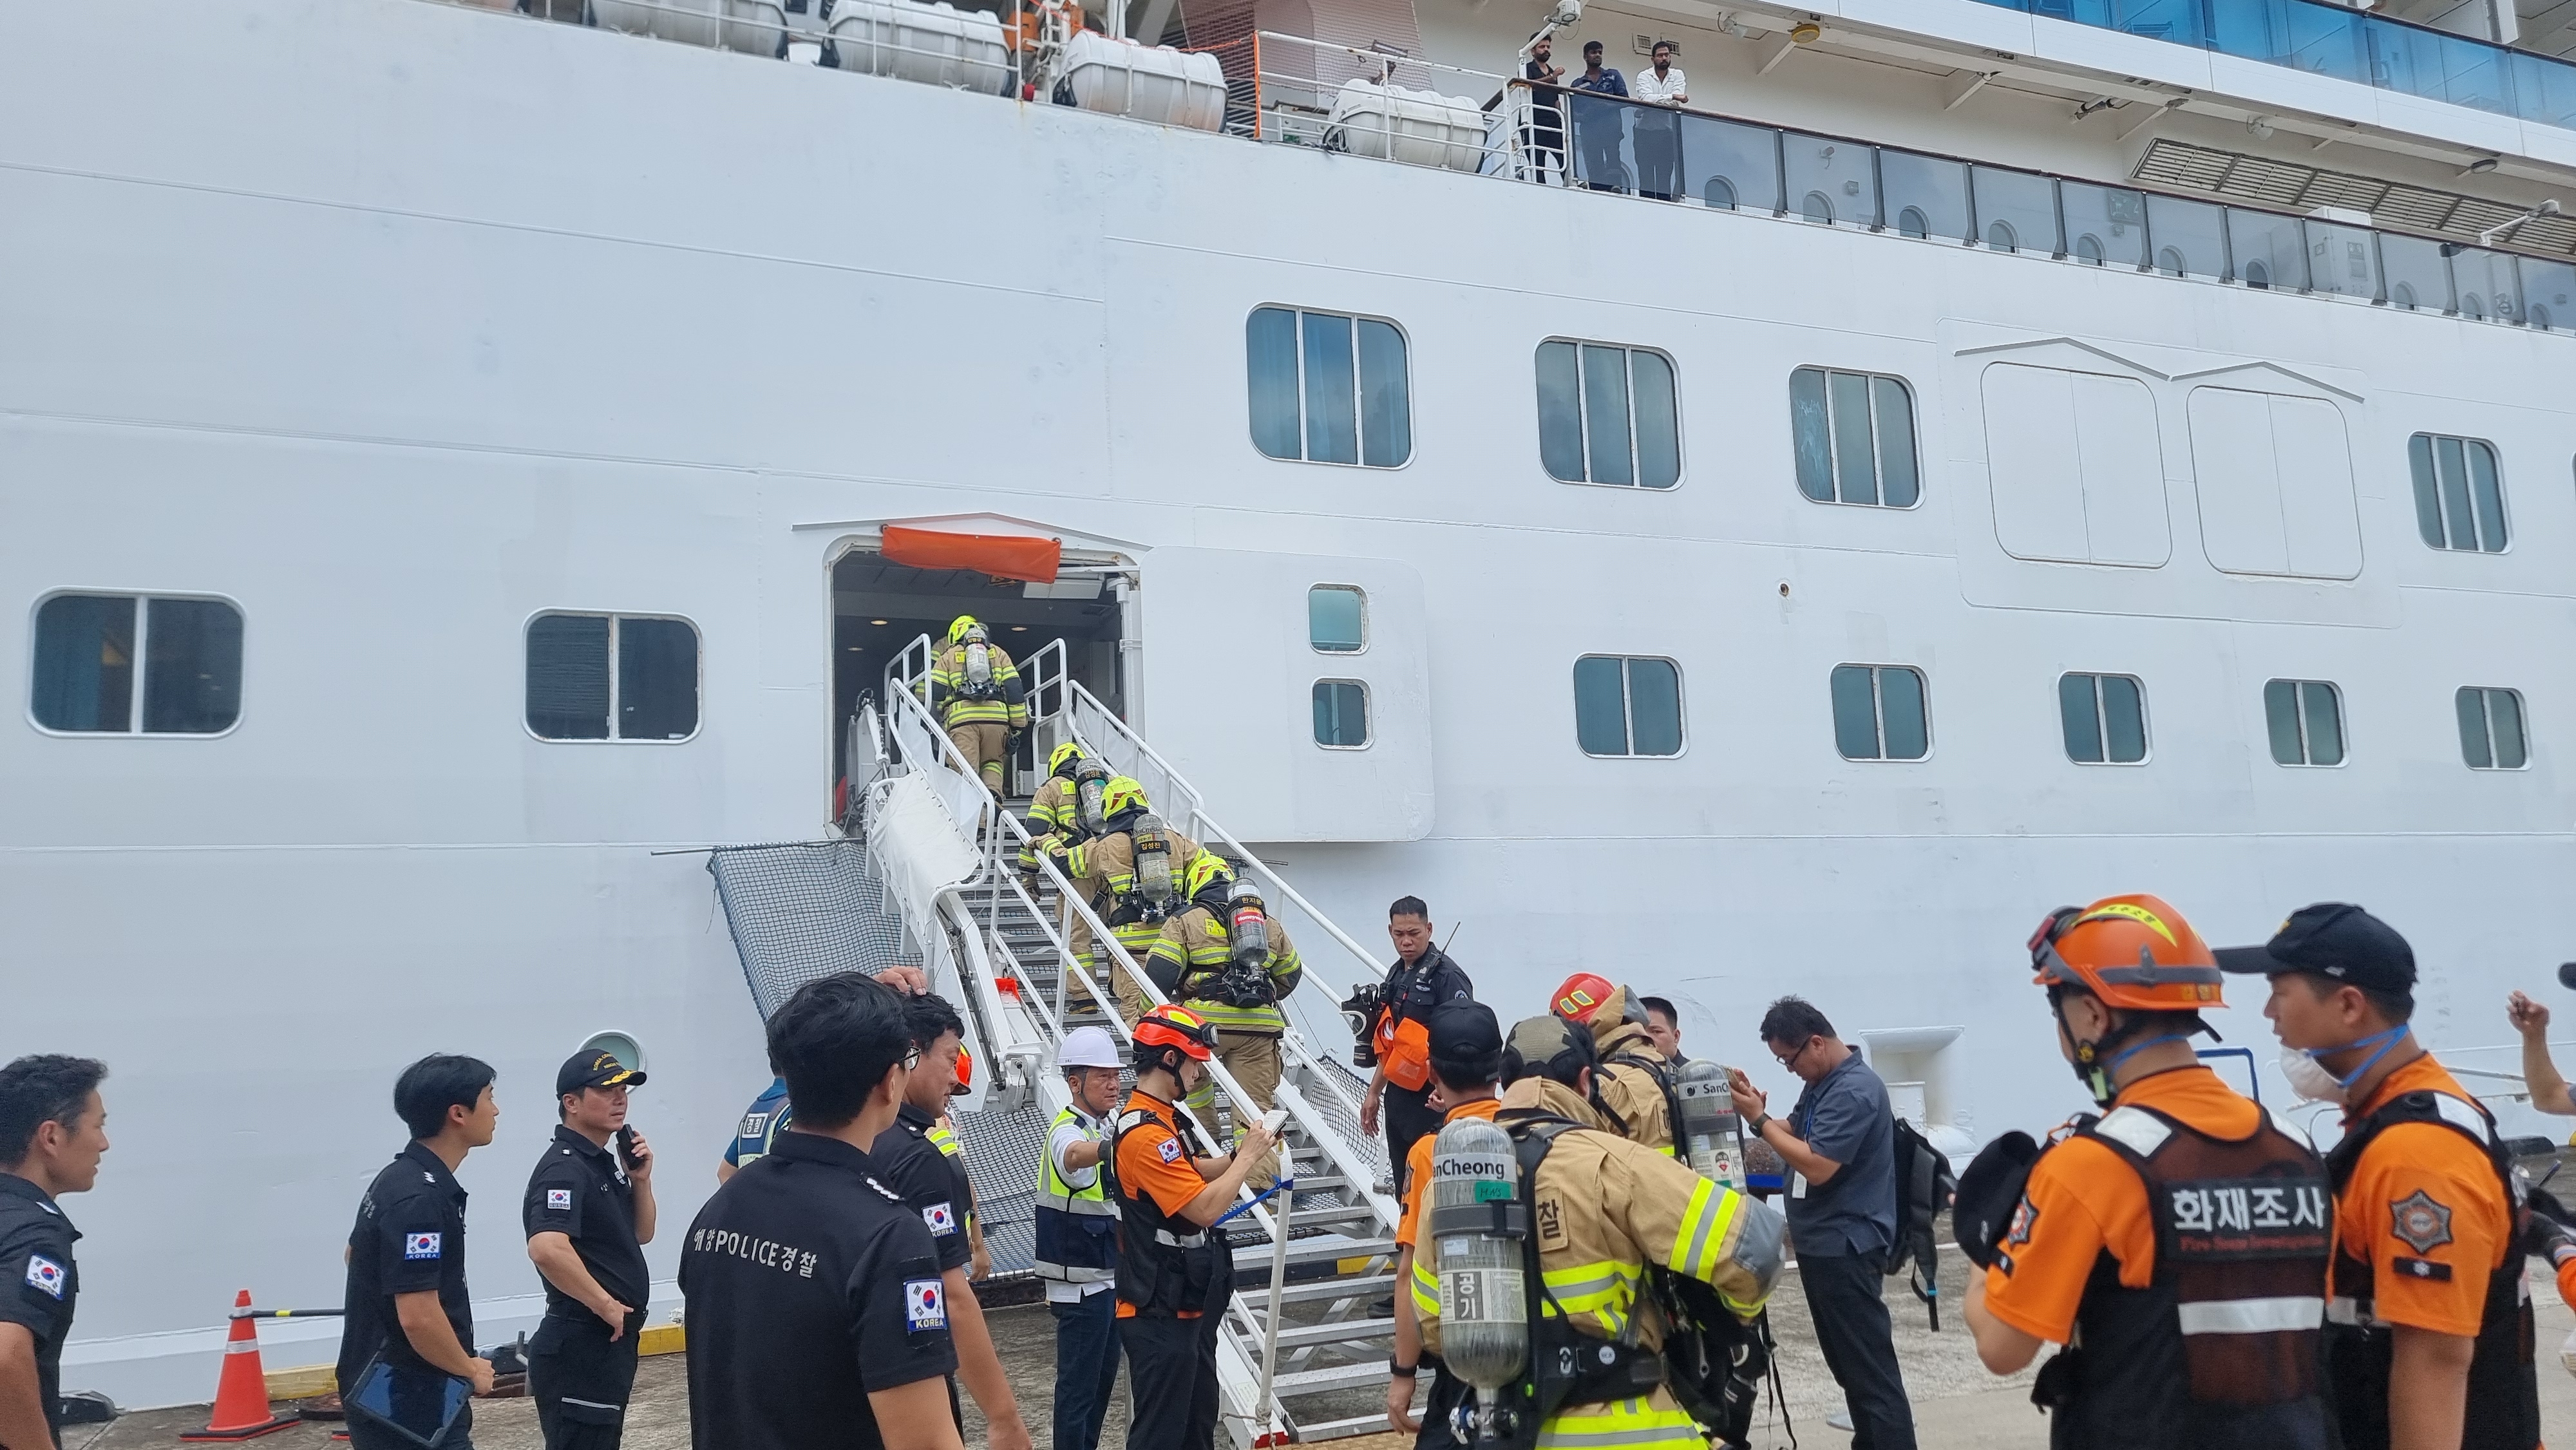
[1153,896]
[1090,784]
[1706,1129]
[978,682]
[1359,1011]
[1244,980]
[1501,1330]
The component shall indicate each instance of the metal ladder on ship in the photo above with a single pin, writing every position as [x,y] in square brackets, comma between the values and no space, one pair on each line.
[1300,1356]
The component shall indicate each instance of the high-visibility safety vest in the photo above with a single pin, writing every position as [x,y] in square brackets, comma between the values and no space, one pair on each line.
[2504,1395]
[2222,1347]
[1077,1227]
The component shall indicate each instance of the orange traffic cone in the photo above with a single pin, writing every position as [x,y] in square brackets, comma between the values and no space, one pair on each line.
[241,1391]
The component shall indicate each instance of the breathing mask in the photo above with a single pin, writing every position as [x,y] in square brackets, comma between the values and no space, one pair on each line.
[2317,1083]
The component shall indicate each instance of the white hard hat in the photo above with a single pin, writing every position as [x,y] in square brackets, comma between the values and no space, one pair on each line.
[1088,1047]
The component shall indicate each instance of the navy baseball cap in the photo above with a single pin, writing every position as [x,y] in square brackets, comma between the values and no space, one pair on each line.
[2333,939]
[590,1068]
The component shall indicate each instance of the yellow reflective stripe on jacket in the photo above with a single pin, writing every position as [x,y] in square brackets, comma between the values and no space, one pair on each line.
[1426,1289]
[1619,1424]
[1604,1293]
[946,1140]
[1703,1233]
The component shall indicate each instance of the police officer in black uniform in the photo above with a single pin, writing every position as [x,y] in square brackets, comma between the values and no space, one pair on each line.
[53,1127]
[817,1316]
[589,1212]
[917,1158]
[407,1305]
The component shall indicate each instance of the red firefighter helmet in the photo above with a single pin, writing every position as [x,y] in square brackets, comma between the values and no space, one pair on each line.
[1581,995]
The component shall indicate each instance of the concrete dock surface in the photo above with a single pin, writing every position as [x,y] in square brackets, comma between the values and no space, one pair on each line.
[1957,1405]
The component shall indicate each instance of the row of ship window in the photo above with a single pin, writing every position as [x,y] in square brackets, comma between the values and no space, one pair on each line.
[1631,705]
[1331,388]
[122,664]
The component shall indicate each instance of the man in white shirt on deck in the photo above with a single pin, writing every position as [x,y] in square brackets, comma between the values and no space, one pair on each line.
[1658,134]
[1077,1233]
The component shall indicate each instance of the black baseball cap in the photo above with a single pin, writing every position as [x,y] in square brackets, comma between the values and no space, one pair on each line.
[2333,939]
[590,1068]
[1465,1032]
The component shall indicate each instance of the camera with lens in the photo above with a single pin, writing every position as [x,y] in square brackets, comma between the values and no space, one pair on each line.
[1359,1009]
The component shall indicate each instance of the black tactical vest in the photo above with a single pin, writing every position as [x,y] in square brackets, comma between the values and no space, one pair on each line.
[2222,1350]
[1166,1264]
[2504,1395]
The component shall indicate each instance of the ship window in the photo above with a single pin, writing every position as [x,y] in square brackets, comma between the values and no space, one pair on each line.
[1341,714]
[1879,713]
[2258,276]
[1818,207]
[2491,733]
[612,677]
[1337,619]
[2305,721]
[2104,718]
[87,646]
[1608,414]
[1854,438]
[1911,222]
[1328,388]
[2459,496]
[1627,705]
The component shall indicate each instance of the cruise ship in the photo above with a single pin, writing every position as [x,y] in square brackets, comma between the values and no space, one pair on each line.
[480,486]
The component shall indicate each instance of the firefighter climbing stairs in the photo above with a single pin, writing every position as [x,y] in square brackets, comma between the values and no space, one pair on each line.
[924,870]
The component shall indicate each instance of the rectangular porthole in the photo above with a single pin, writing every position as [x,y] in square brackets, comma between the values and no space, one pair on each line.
[1341,714]
[1853,437]
[1337,619]
[2104,718]
[1328,388]
[1627,706]
[2304,719]
[612,677]
[1881,712]
[90,648]
[1608,414]
[2492,734]
[2459,493]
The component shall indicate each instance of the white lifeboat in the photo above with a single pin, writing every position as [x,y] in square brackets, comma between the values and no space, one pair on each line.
[756,26]
[1419,128]
[1145,82]
[935,44]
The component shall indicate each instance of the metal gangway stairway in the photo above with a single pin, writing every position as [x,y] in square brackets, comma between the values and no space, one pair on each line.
[925,871]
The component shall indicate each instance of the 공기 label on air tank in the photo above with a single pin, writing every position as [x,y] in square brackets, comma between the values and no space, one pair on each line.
[1481,1296]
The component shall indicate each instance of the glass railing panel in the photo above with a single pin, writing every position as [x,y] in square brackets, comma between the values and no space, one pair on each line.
[1925,196]
[2549,293]
[2105,225]
[2190,237]
[2544,90]
[2341,260]
[2439,67]
[2267,249]
[2180,21]
[2486,285]
[1829,180]
[2016,210]
[2419,277]
[1605,158]
[1727,164]
[2325,40]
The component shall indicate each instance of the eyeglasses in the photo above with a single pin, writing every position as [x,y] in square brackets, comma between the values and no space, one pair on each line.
[912,1059]
[1791,1059]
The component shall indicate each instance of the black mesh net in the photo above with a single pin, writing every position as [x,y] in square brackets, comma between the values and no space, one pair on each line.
[802,910]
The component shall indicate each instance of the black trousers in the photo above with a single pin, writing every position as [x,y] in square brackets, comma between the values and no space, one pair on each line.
[580,1381]
[1408,1116]
[364,1436]
[1853,1330]
[1447,1393]
[1171,1382]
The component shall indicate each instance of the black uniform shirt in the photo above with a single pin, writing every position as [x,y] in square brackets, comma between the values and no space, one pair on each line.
[409,1237]
[581,1190]
[38,1280]
[912,1165]
[809,1285]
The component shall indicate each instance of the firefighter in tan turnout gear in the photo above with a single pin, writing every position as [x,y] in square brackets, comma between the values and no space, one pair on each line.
[1226,958]
[1600,1238]
[1633,1090]
[1066,810]
[976,696]
[1134,873]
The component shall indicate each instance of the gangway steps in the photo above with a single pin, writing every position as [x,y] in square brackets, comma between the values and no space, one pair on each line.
[1365,1286]
[1322,1249]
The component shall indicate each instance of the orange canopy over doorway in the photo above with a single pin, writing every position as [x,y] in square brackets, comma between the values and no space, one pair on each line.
[1004,556]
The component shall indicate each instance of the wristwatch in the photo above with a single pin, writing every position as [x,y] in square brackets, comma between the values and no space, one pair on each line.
[1760,1121]
[1401,1371]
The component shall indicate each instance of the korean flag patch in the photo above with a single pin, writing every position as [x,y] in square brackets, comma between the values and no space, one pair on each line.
[559,1199]
[1170,1149]
[43,1273]
[420,1246]
[924,1306]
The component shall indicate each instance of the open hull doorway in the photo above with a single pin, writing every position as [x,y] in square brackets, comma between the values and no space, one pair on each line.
[879,606]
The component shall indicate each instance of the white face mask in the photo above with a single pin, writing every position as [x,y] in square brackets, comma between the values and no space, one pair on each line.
[2309,1078]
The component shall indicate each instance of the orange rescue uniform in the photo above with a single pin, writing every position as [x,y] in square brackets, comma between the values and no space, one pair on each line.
[1151,1160]
[2424,1195]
